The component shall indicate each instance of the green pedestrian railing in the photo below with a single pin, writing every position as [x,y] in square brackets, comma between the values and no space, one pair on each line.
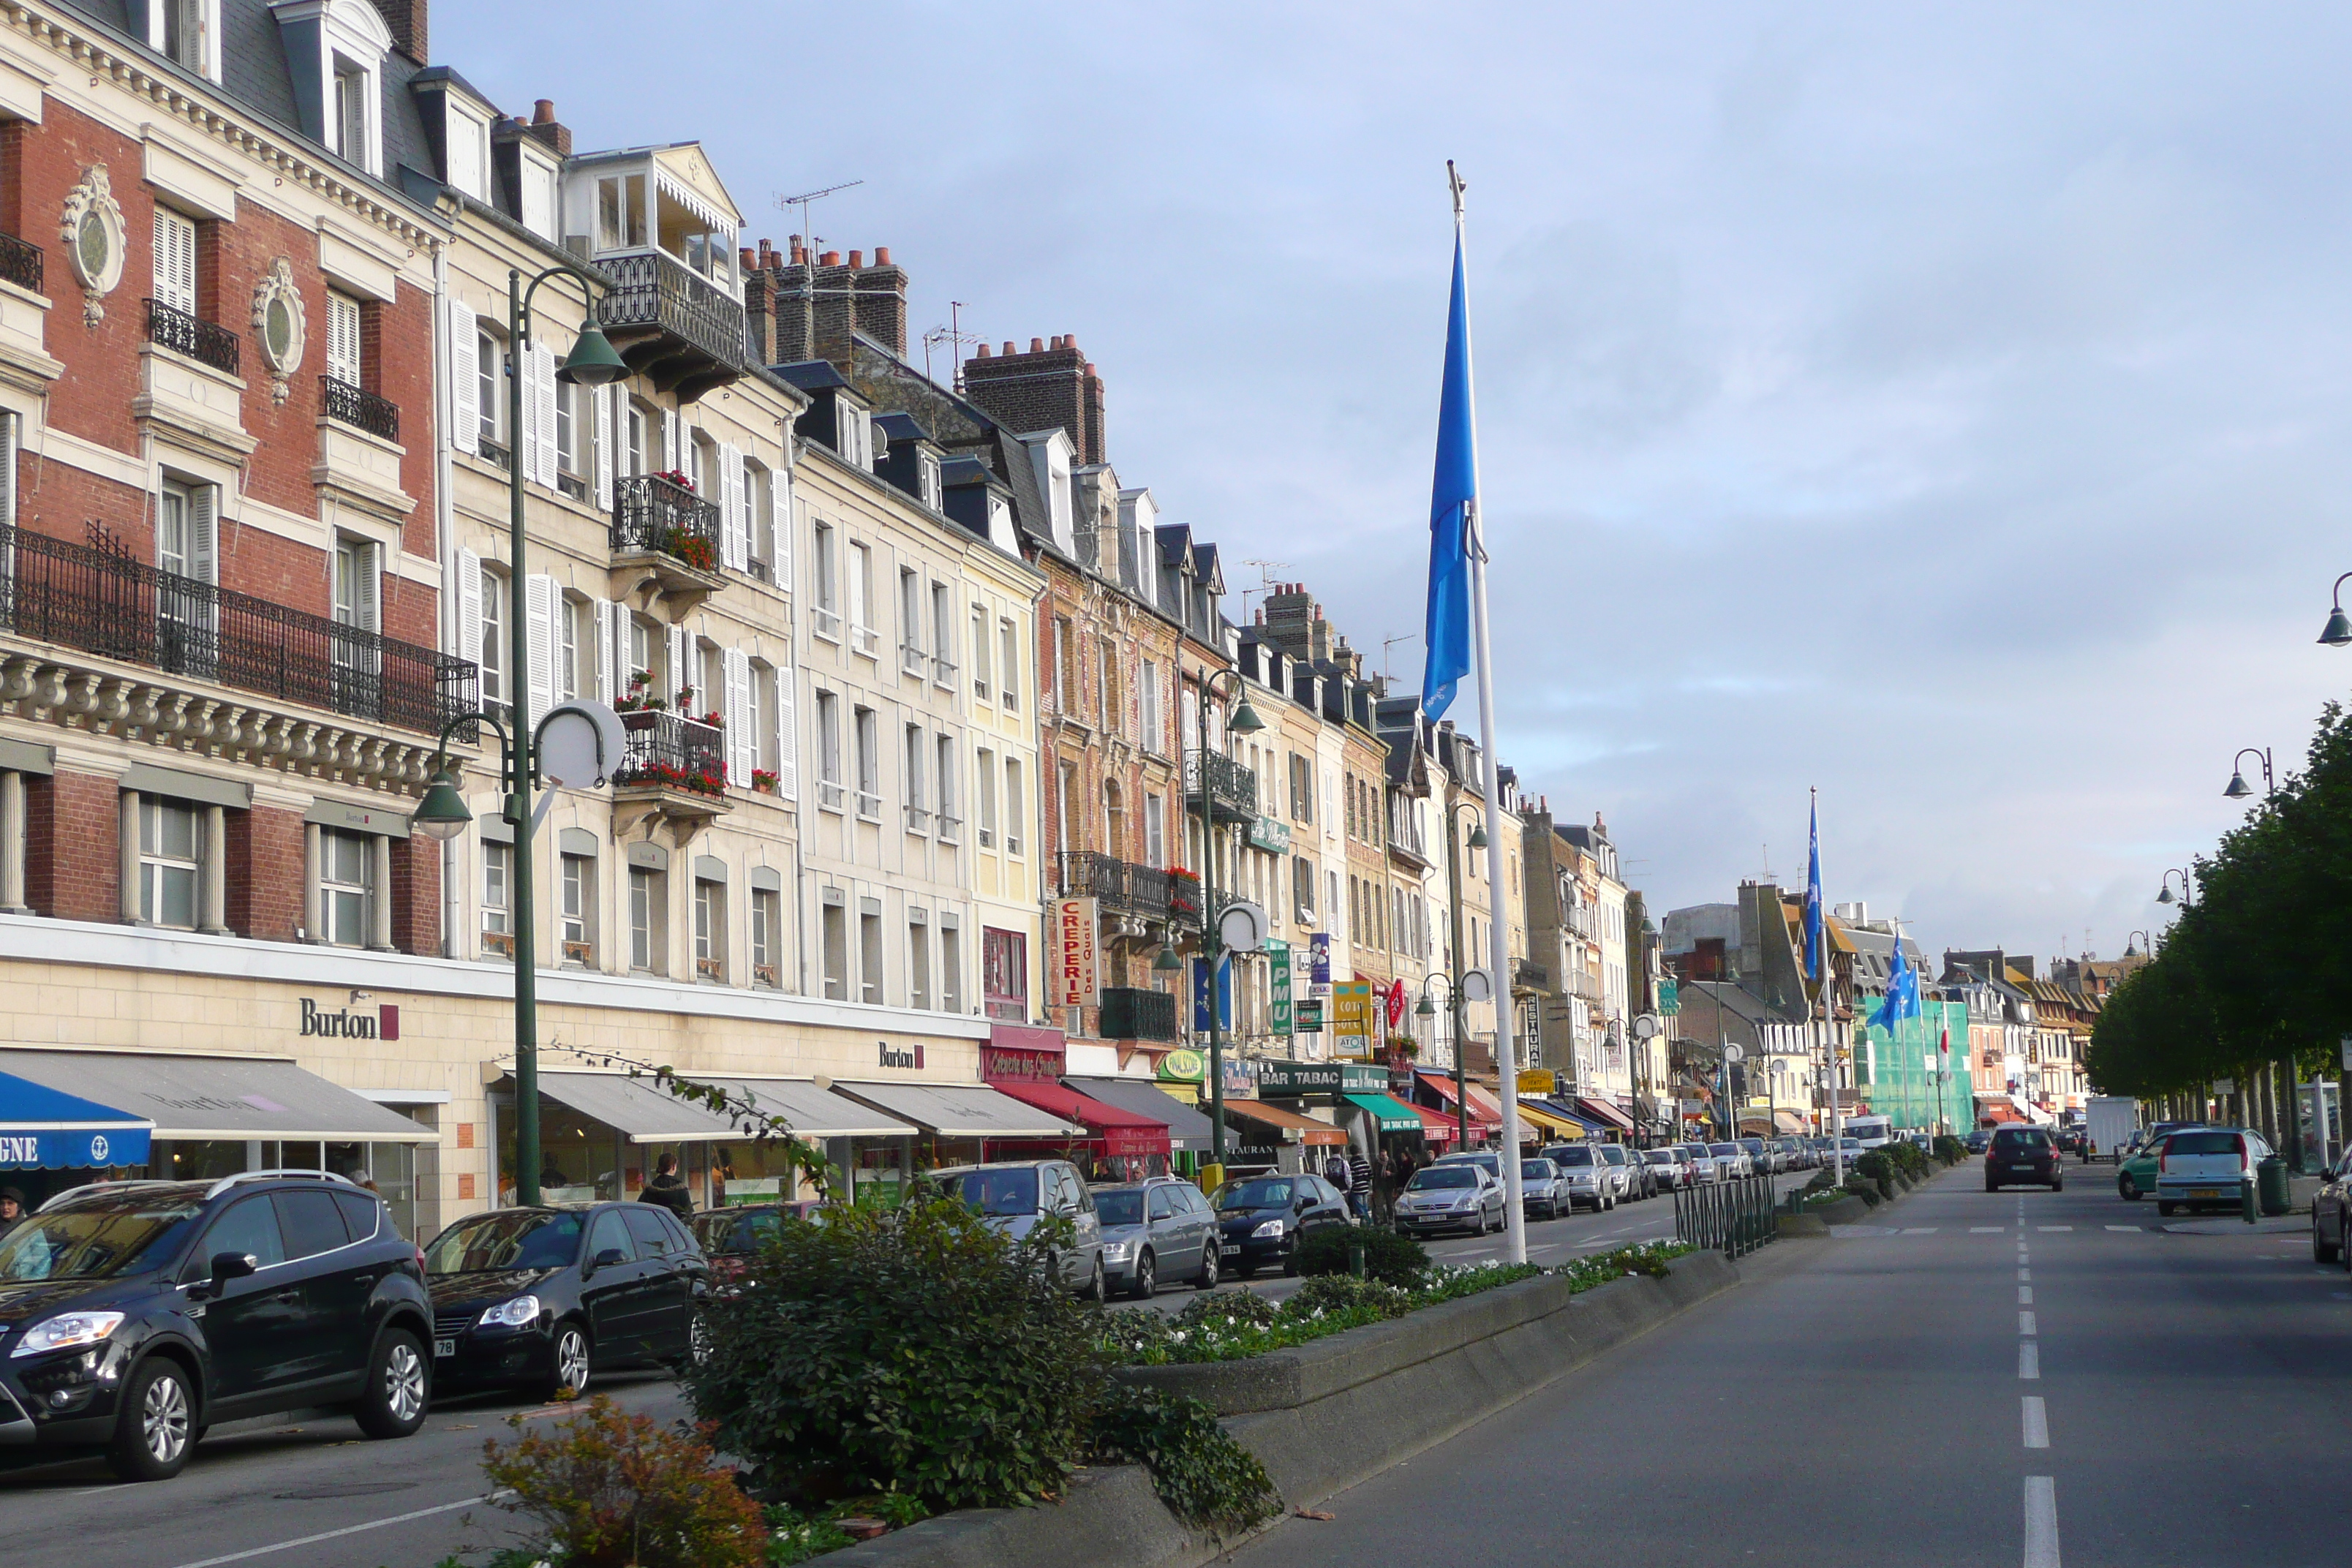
[1733,1217]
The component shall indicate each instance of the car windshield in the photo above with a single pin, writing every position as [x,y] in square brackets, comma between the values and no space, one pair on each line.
[2202,1144]
[1431,1176]
[1753,1145]
[1262,1194]
[1613,1154]
[102,1239]
[1659,1157]
[518,1239]
[1732,1150]
[1536,1170]
[727,1233]
[1008,1190]
[1119,1208]
[2018,1141]
[1571,1156]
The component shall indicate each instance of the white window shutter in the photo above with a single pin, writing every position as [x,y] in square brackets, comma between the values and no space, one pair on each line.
[602,437]
[469,607]
[681,667]
[539,404]
[780,509]
[343,339]
[371,604]
[204,532]
[602,629]
[8,439]
[465,389]
[540,596]
[788,738]
[743,727]
[734,518]
[673,446]
[176,261]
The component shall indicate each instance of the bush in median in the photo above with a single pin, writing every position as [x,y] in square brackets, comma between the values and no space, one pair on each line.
[1950,1150]
[1389,1258]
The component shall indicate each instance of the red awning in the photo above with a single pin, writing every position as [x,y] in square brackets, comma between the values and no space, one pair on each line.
[1436,1126]
[1998,1111]
[1122,1133]
[1482,1106]
[1608,1115]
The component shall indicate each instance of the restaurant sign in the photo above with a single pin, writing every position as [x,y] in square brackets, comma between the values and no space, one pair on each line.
[1019,1053]
[1075,979]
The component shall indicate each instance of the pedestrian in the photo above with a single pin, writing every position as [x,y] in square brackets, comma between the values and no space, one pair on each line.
[667,1189]
[1335,1171]
[1359,1183]
[12,1209]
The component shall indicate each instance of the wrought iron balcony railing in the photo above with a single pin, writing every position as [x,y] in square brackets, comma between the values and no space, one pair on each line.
[670,751]
[20,262]
[97,598]
[1119,884]
[207,343]
[1130,1012]
[651,514]
[1231,788]
[651,290]
[360,408]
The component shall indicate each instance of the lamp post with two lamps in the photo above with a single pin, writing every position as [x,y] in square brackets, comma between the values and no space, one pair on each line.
[1454,990]
[1245,722]
[442,815]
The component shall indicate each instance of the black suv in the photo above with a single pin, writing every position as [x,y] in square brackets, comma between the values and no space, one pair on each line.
[134,1315]
[539,1297]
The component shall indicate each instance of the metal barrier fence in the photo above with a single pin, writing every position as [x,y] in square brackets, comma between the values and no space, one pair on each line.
[1733,1217]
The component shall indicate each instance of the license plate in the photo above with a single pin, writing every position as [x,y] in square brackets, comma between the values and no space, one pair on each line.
[445,1347]
[2026,1167]
[1229,1250]
[2204,1192]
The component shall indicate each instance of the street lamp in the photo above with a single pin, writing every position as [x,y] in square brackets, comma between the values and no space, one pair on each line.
[1245,722]
[2164,894]
[2146,951]
[2237,788]
[1454,979]
[2339,627]
[1425,1008]
[442,814]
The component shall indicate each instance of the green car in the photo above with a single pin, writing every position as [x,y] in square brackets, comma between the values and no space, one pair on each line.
[2135,1178]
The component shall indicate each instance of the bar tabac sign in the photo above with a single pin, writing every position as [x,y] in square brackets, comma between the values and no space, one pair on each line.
[1076,973]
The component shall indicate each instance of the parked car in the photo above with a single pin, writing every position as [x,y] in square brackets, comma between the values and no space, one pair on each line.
[1671,1164]
[1543,1191]
[1635,1181]
[2024,1156]
[1763,1156]
[1019,1194]
[136,1314]
[1261,1219]
[1159,1228]
[1704,1166]
[1487,1160]
[2207,1165]
[2331,1214]
[546,1298]
[2135,1171]
[1587,1174]
[1978,1140]
[1732,1162]
[730,1236]
[1799,1157]
[1452,1195]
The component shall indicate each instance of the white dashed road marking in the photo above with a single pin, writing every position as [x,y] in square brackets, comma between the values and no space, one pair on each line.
[2040,1522]
[2025,1323]
[2029,1361]
[1987,1229]
[2054,1227]
[2037,1422]
[2024,1295]
[2132,1228]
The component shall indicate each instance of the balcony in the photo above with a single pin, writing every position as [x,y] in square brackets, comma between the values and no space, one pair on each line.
[671,325]
[1131,1013]
[359,409]
[345,685]
[1231,788]
[1120,886]
[675,768]
[20,262]
[665,534]
[206,343]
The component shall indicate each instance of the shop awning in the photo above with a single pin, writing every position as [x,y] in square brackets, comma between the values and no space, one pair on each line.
[1551,1118]
[1437,1126]
[813,1112]
[636,1109]
[1309,1130]
[229,1098]
[1602,1112]
[1122,1133]
[959,1110]
[1441,1083]
[1389,1113]
[46,1129]
[1187,1128]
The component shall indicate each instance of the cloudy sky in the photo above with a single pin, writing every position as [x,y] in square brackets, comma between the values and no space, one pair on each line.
[1943,406]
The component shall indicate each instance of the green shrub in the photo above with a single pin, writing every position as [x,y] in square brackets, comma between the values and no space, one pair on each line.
[1391,1258]
[1819,1197]
[1206,1478]
[1950,1150]
[1342,1293]
[1907,1157]
[615,1490]
[915,1350]
[1865,1189]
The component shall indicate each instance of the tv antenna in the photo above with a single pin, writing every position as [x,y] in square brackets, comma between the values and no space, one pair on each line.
[809,241]
[1387,643]
[1265,571]
[957,339]
[808,244]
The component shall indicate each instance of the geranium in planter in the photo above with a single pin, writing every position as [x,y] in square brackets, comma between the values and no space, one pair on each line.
[765,781]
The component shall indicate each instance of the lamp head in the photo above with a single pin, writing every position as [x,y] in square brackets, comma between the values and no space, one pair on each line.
[593,361]
[1424,1008]
[1245,720]
[1165,961]
[1478,836]
[2164,894]
[442,815]
[2339,629]
[2237,789]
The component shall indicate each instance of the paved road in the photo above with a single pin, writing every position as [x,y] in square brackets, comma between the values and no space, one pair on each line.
[1983,1379]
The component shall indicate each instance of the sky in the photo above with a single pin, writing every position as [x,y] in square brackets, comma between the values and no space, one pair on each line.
[1944,408]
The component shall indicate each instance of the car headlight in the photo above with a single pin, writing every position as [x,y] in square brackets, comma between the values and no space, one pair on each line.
[519,1314]
[1117,1251]
[66,1331]
[1272,1227]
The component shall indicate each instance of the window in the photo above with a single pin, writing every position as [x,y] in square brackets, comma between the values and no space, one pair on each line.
[494,639]
[869,953]
[182,30]
[1065,666]
[1302,886]
[943,659]
[644,919]
[1008,667]
[1004,973]
[1302,789]
[1114,713]
[910,623]
[620,212]
[765,934]
[918,962]
[354,586]
[343,338]
[489,363]
[951,968]
[709,930]
[827,590]
[571,454]
[176,261]
[828,751]
[836,952]
[537,195]
[469,154]
[980,653]
[1147,688]
[950,824]
[869,765]
[918,817]
[1155,831]
[987,770]
[346,887]
[1012,805]
[167,864]
[498,869]
[354,113]
[566,669]
[864,636]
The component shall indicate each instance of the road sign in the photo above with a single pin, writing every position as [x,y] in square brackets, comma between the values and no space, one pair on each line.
[1351,1011]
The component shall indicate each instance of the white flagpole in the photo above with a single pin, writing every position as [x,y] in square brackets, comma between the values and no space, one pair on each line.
[1498,918]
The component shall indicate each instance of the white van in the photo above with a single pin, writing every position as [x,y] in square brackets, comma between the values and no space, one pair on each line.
[1871,1131]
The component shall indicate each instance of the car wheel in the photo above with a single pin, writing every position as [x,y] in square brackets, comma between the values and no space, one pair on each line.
[1209,1261]
[2164,1208]
[570,1366]
[399,1384]
[1146,1280]
[154,1430]
[2057,1183]
[1094,1291]
[1991,1185]
[2320,1251]
[2128,1189]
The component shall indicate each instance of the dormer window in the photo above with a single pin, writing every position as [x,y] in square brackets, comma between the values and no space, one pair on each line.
[335,51]
[927,479]
[188,31]
[354,85]
[469,151]
[538,192]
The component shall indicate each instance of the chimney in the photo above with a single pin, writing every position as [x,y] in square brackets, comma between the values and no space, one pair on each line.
[830,259]
[760,303]
[857,258]
[882,300]
[1050,386]
[406,21]
[547,129]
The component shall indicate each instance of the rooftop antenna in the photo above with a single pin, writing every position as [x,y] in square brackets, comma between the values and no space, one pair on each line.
[1387,642]
[953,335]
[1265,571]
[808,258]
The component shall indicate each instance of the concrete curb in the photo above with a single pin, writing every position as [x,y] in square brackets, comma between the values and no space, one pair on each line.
[1323,1416]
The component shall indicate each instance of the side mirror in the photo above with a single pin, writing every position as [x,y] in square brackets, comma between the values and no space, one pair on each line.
[609,1259]
[226,1266]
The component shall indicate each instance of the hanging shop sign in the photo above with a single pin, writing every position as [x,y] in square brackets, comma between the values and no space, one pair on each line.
[1183,1066]
[1352,1014]
[1077,977]
[1278,986]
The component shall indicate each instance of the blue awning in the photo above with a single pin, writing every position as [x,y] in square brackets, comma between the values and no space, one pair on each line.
[1571,1111]
[47,1129]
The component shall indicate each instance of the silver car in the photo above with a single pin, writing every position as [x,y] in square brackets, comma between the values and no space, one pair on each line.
[1155,1230]
[1731,1162]
[1635,1181]
[1704,1167]
[1672,1165]
[1452,1195]
[1543,1192]
[1591,1180]
[1018,1195]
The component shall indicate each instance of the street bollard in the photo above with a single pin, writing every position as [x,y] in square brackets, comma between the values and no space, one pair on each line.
[1356,1258]
[2246,1199]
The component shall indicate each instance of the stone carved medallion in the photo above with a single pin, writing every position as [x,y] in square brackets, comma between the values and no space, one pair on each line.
[281,325]
[91,229]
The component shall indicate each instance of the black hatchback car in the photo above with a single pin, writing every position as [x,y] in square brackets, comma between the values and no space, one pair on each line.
[134,1315]
[1261,1219]
[2022,1154]
[543,1298]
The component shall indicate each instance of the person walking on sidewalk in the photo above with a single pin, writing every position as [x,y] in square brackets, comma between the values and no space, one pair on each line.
[1359,1183]
[668,1190]
[12,1210]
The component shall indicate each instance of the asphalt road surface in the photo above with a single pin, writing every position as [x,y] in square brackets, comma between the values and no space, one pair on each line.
[1984,1379]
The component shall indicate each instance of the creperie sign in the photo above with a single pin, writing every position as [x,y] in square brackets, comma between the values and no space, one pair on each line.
[1075,979]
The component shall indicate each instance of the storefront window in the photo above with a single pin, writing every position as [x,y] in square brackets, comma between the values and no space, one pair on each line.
[1004,973]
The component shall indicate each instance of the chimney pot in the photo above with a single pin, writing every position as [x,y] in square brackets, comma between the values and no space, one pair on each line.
[830,259]
[1070,341]
[1090,364]
[765,256]
[983,351]
[881,255]
[857,259]
[1008,346]
[543,111]
[750,259]
[1037,345]
[799,256]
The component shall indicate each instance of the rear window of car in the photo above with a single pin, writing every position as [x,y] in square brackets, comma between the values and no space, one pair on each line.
[1442,1176]
[2202,1144]
[1571,1156]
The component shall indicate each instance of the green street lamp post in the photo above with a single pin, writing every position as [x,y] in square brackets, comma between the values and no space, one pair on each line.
[442,815]
[1245,722]
[2237,788]
[1454,990]
[2339,627]
[2164,892]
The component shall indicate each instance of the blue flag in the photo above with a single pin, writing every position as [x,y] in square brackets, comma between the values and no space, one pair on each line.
[1452,495]
[1816,929]
[1902,1000]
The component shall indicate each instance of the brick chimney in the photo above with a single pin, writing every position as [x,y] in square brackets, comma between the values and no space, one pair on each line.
[545,129]
[1295,623]
[405,19]
[1053,384]
[852,297]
